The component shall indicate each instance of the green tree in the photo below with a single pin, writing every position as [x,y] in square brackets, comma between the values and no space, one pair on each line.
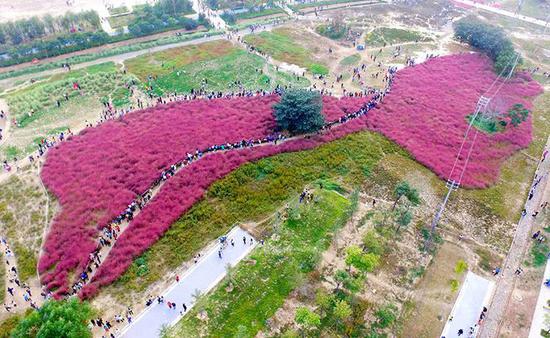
[372,243]
[307,319]
[324,300]
[60,319]
[403,220]
[364,262]
[386,316]
[342,311]
[489,39]
[299,111]
[518,114]
[404,189]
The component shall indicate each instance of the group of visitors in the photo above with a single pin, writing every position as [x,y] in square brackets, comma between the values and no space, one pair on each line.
[18,292]
[107,326]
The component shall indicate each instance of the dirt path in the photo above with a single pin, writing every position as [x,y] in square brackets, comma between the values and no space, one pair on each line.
[507,280]
[17,303]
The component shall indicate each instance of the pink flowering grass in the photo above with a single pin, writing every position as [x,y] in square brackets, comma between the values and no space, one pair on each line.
[96,174]
[426,114]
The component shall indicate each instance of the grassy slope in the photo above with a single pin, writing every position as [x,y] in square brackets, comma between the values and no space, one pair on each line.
[382,35]
[253,192]
[98,82]
[281,46]
[182,69]
[22,223]
[222,72]
[281,265]
[164,62]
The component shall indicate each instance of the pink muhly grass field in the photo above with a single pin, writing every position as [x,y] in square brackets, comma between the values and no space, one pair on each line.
[96,174]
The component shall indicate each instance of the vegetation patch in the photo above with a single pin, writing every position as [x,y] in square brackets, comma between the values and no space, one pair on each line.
[232,72]
[390,36]
[281,264]
[22,220]
[336,30]
[279,44]
[253,192]
[351,60]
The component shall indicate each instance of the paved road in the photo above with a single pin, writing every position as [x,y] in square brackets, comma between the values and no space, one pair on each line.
[503,12]
[538,317]
[507,279]
[474,295]
[203,276]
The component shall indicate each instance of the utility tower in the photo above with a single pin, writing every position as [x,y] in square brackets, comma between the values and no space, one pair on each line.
[457,172]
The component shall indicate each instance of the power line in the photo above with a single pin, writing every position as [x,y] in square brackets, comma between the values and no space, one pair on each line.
[481,107]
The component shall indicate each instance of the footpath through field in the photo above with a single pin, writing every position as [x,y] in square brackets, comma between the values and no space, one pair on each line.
[199,279]
[474,295]
[502,12]
[507,278]
[537,324]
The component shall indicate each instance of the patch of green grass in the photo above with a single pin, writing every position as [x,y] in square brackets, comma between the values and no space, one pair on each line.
[26,262]
[388,35]
[166,61]
[9,324]
[455,285]
[11,152]
[222,73]
[487,125]
[539,254]
[279,44]
[280,266]
[257,14]
[252,192]
[351,60]
[297,7]
[334,31]
[22,221]
[121,20]
[34,103]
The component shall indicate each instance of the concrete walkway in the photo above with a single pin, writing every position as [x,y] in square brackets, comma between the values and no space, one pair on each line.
[503,12]
[515,257]
[537,324]
[202,277]
[474,295]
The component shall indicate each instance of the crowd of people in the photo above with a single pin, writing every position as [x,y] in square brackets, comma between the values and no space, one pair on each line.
[17,288]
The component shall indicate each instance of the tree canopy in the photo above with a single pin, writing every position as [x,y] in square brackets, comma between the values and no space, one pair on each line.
[299,111]
[489,39]
[60,319]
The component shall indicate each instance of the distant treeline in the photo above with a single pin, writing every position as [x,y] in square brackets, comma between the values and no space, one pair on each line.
[38,38]
[489,39]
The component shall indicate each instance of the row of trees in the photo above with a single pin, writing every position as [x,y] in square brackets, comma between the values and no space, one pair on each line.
[26,30]
[149,20]
[490,39]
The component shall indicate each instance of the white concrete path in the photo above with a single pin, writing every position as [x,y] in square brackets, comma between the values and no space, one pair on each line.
[537,323]
[474,295]
[203,276]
